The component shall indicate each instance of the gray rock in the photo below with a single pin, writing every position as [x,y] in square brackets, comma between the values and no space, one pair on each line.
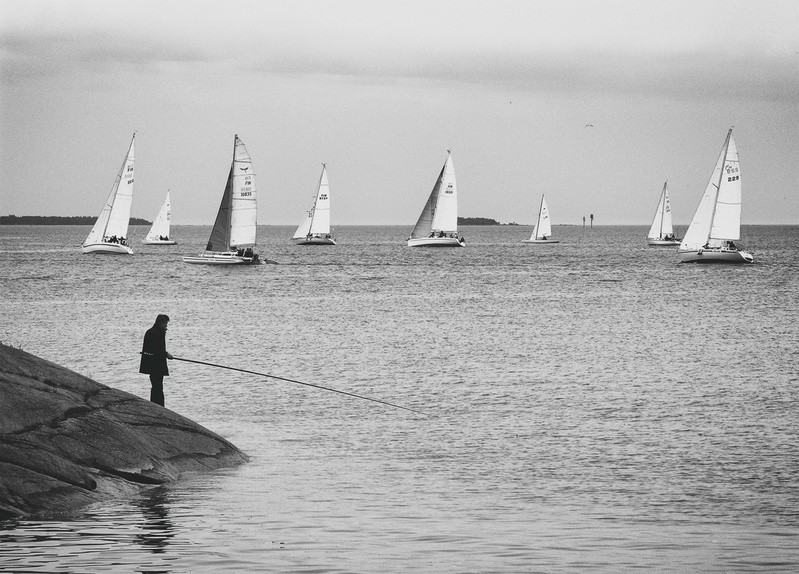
[67,441]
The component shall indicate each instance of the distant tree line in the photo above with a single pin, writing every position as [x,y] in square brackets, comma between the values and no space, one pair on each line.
[480,221]
[477,221]
[59,220]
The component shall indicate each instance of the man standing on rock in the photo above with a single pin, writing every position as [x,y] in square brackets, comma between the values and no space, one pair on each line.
[154,356]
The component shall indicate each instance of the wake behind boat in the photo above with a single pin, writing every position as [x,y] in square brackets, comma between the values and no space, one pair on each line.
[662,230]
[110,232]
[315,227]
[159,232]
[437,225]
[233,236]
[542,233]
[717,222]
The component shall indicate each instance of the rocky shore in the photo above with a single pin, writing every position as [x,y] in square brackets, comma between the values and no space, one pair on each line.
[67,441]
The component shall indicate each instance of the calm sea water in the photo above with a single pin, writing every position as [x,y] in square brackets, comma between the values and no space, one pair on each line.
[595,406]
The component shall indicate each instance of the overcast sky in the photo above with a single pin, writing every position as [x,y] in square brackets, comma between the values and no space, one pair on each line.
[380,90]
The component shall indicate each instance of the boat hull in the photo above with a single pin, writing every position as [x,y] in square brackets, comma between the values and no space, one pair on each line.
[314,241]
[436,242]
[662,242]
[107,248]
[158,242]
[716,256]
[222,258]
[540,241]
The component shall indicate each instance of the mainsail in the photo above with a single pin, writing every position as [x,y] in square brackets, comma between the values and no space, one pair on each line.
[318,220]
[543,228]
[662,222]
[238,213]
[115,215]
[161,225]
[718,216]
[440,213]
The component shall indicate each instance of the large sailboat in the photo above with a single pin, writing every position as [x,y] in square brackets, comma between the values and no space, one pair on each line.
[717,222]
[315,227]
[542,233]
[110,231]
[233,236]
[159,232]
[438,223]
[662,230]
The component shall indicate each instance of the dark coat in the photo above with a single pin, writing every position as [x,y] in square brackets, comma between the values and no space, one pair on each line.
[153,353]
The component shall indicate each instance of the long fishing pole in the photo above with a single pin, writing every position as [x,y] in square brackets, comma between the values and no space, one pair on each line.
[300,383]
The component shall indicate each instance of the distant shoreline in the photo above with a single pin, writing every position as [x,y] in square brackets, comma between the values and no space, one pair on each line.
[59,220]
[465,221]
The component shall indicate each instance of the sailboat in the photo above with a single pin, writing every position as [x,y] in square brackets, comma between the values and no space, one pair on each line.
[233,236]
[662,231]
[717,222]
[438,223]
[110,231]
[542,233]
[159,232]
[315,227]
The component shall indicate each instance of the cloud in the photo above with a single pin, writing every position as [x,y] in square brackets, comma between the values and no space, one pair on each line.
[23,56]
[685,76]
[605,48]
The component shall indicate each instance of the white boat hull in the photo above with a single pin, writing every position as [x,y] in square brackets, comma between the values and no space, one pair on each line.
[222,258]
[107,248]
[663,241]
[158,242]
[436,242]
[540,241]
[314,241]
[716,256]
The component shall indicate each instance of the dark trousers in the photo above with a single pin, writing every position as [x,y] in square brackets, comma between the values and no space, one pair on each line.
[157,390]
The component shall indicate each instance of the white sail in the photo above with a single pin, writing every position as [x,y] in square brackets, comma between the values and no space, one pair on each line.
[440,213]
[662,225]
[317,222]
[727,217]
[304,228]
[445,216]
[161,225]
[718,216]
[244,209]
[115,215]
[543,227]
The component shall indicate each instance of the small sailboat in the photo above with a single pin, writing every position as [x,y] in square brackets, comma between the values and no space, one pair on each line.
[315,227]
[438,223]
[233,236]
[662,231]
[717,222]
[542,233]
[110,231]
[159,232]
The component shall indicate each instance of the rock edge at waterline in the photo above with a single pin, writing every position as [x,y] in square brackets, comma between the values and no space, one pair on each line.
[67,441]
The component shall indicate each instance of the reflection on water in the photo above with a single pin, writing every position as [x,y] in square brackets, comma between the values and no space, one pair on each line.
[157,529]
[102,538]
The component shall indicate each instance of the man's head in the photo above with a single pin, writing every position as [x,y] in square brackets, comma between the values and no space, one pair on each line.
[162,321]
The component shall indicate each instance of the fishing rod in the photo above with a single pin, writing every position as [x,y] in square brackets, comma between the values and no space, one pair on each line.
[300,383]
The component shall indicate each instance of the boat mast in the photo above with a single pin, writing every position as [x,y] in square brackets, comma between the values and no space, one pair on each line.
[116,185]
[718,187]
[538,223]
[315,199]
[229,192]
[663,211]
